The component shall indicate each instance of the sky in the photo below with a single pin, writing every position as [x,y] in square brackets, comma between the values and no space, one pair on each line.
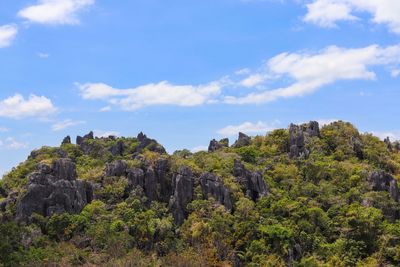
[184,72]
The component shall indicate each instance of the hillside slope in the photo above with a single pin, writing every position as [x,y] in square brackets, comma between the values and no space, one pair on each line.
[302,196]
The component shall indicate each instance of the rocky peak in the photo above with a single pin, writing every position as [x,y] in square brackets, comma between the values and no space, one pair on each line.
[243,140]
[66,140]
[118,148]
[80,139]
[298,135]
[216,145]
[150,144]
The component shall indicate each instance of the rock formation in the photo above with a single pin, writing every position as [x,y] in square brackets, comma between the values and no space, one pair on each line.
[382,181]
[183,194]
[212,185]
[243,140]
[216,145]
[150,144]
[66,140]
[253,182]
[118,148]
[54,189]
[298,135]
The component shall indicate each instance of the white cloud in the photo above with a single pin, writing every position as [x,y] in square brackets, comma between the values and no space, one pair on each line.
[106,109]
[65,124]
[4,130]
[253,80]
[395,73]
[11,143]
[248,128]
[7,35]
[101,133]
[199,148]
[393,135]
[323,122]
[326,13]
[17,107]
[310,71]
[162,93]
[55,12]
[43,55]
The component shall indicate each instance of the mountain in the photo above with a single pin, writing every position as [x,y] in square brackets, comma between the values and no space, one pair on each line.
[302,196]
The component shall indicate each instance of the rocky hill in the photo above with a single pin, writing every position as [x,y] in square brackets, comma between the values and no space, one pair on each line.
[302,196]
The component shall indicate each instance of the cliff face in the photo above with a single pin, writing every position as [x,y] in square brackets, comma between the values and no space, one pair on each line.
[264,177]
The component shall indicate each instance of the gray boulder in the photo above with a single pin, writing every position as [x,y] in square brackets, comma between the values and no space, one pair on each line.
[298,136]
[243,140]
[183,194]
[54,190]
[253,182]
[150,144]
[216,145]
[66,140]
[382,181]
[135,178]
[118,148]
[212,186]
[116,168]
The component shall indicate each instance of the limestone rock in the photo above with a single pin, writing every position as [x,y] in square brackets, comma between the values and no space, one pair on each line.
[212,185]
[216,145]
[183,194]
[298,135]
[243,140]
[253,182]
[116,168]
[118,148]
[150,144]
[54,190]
[382,181]
[66,140]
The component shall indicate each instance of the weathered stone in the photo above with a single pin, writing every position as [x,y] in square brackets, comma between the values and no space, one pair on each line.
[116,168]
[66,140]
[150,184]
[243,140]
[118,148]
[253,182]
[216,145]
[298,135]
[54,190]
[382,181]
[161,169]
[150,144]
[212,185]
[183,194]
[135,178]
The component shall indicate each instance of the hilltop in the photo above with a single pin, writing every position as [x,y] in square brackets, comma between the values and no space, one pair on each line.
[302,196]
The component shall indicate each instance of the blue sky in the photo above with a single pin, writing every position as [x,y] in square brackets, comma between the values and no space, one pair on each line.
[185,72]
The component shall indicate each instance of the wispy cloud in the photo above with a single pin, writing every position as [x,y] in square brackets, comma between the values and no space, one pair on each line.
[163,93]
[43,55]
[248,128]
[327,13]
[55,12]
[199,148]
[11,143]
[65,124]
[300,73]
[17,107]
[7,34]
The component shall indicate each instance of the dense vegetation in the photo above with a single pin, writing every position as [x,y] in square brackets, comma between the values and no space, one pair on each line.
[320,209]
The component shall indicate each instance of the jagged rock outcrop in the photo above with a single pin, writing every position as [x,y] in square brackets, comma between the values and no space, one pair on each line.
[116,168]
[183,194]
[161,169]
[243,140]
[150,144]
[253,182]
[66,140]
[298,135]
[80,139]
[53,190]
[118,148]
[212,185]
[216,145]
[382,181]
[135,178]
